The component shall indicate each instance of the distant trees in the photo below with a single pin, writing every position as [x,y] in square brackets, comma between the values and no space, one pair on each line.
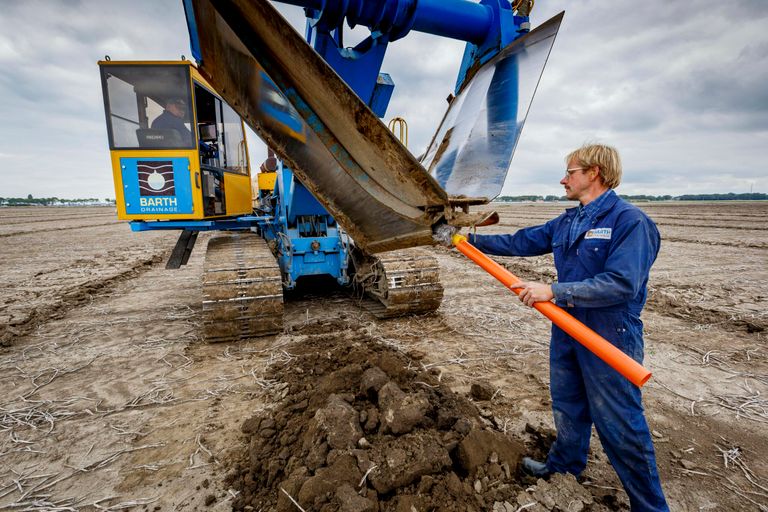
[756,196]
[643,197]
[536,199]
[51,201]
[513,199]
[751,196]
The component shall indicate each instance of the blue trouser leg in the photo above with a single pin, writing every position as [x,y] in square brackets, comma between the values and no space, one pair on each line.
[616,408]
[570,408]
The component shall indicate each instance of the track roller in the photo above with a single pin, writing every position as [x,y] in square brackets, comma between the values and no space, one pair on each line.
[403,282]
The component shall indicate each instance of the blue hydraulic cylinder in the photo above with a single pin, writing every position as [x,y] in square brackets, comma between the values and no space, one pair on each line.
[456,19]
[487,27]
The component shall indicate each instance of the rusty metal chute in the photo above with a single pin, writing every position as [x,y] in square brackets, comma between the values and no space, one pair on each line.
[342,152]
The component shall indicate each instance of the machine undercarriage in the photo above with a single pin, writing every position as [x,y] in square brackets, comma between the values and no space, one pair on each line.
[243,286]
[399,283]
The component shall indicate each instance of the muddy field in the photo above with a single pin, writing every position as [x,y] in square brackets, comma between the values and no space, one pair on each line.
[110,400]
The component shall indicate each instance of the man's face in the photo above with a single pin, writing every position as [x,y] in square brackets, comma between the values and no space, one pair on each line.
[577,180]
[177,108]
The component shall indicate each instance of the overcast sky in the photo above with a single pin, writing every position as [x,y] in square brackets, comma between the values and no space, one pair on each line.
[680,88]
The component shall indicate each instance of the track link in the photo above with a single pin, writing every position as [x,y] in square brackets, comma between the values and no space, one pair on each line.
[242,289]
[400,283]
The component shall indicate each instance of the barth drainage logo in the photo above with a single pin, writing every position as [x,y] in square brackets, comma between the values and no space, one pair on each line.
[156,178]
[600,233]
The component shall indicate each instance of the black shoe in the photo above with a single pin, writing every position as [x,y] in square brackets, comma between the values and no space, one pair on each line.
[535,468]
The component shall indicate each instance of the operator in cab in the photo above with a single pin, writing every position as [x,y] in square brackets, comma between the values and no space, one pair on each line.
[174,117]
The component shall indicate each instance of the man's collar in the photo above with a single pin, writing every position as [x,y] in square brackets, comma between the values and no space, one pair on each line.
[600,203]
[606,200]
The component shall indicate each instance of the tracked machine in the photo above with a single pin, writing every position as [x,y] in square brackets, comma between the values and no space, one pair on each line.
[339,194]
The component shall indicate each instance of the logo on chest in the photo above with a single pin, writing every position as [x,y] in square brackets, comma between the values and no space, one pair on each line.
[598,233]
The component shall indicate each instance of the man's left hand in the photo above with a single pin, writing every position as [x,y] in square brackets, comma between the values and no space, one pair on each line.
[443,234]
[532,292]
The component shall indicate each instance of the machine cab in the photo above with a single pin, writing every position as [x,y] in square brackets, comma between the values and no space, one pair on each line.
[178,150]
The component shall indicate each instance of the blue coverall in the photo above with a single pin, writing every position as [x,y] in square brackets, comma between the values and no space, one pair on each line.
[602,277]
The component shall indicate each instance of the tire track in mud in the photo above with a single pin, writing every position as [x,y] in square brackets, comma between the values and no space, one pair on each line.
[665,303]
[716,226]
[73,298]
[33,220]
[37,231]
[744,245]
[715,218]
[665,238]
[660,301]
[531,221]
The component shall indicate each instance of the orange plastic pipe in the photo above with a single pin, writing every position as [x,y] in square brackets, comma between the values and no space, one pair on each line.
[602,348]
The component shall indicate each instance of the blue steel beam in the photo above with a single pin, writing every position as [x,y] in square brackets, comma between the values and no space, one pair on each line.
[243,222]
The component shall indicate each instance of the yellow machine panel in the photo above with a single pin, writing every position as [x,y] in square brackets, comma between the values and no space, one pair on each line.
[267,181]
[177,150]
[238,187]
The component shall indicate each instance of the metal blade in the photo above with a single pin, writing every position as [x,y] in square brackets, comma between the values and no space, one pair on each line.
[472,149]
[332,141]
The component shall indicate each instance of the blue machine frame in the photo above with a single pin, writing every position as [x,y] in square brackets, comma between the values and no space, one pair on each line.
[308,239]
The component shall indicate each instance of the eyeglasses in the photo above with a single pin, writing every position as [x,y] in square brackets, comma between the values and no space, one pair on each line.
[572,170]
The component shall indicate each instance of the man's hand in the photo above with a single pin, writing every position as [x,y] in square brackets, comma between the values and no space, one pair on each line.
[442,234]
[531,292]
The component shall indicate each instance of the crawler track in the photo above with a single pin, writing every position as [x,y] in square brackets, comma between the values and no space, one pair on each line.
[400,283]
[242,289]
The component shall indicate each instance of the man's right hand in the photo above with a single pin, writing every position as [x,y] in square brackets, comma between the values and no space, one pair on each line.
[532,292]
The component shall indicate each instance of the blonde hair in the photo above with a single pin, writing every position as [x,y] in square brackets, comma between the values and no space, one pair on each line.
[605,158]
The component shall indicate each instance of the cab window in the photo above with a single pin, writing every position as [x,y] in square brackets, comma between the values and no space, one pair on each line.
[148,106]
[234,141]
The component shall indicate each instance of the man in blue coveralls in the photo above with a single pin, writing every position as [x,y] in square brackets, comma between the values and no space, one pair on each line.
[603,249]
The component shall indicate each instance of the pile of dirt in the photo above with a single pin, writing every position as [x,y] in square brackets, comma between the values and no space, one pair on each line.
[359,426]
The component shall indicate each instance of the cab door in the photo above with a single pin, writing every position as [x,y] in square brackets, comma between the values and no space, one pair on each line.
[224,170]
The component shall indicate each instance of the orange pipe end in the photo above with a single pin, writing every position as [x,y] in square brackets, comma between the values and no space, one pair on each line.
[602,348]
